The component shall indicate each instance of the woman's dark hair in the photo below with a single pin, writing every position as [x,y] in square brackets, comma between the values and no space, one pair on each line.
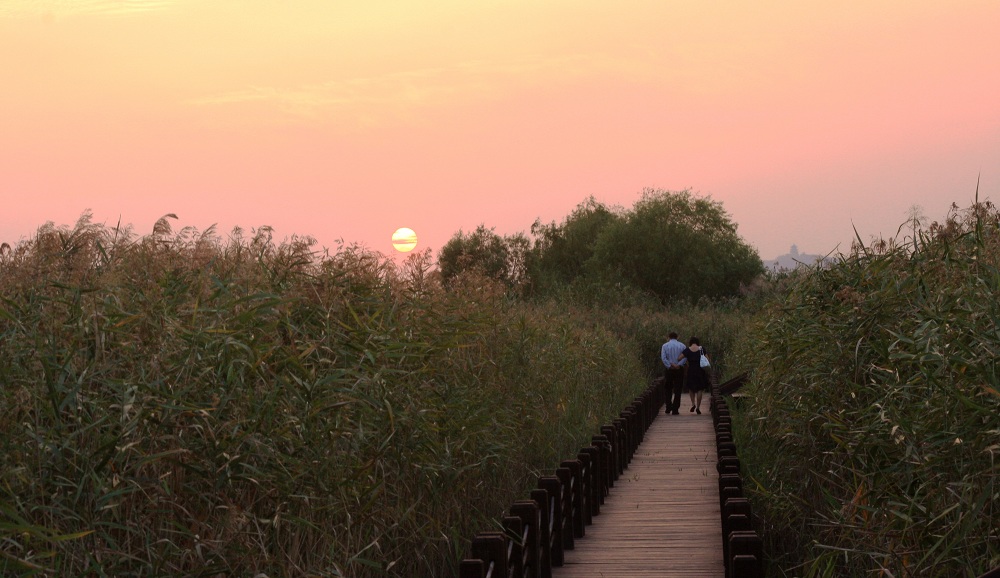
[694,341]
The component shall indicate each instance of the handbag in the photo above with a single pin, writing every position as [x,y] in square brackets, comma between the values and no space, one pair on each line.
[704,361]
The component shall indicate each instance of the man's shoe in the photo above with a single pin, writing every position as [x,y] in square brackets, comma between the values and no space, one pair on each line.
[675,412]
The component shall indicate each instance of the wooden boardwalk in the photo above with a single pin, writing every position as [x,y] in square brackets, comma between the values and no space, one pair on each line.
[662,516]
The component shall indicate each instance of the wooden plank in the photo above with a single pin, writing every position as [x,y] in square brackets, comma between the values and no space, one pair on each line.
[662,517]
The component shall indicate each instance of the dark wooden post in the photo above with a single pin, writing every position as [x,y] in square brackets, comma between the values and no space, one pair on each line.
[611,432]
[491,548]
[531,519]
[726,448]
[730,486]
[471,568]
[566,504]
[544,503]
[728,465]
[638,408]
[603,471]
[514,529]
[747,546]
[621,445]
[588,474]
[578,492]
[553,486]
[628,425]
[736,516]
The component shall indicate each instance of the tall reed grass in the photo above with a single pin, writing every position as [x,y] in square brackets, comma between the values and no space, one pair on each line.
[872,430]
[183,404]
[643,321]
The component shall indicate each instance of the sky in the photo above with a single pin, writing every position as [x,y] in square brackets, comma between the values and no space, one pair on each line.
[345,120]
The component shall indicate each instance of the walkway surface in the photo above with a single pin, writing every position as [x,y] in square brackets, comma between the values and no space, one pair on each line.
[662,517]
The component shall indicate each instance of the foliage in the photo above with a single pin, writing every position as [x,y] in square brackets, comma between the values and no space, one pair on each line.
[641,321]
[561,253]
[676,245]
[671,245]
[872,428]
[183,404]
[485,253]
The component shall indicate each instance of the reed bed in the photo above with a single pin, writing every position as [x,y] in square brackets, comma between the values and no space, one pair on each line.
[183,404]
[871,429]
[642,320]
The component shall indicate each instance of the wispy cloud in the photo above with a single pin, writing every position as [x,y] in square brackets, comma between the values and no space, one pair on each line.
[64,8]
[389,94]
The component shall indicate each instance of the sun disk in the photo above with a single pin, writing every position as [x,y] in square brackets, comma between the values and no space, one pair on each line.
[404,240]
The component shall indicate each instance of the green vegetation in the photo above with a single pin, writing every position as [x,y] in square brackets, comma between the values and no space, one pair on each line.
[674,246]
[180,404]
[500,258]
[187,404]
[872,428]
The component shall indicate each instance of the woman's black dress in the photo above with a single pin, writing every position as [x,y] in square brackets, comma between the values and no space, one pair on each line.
[696,379]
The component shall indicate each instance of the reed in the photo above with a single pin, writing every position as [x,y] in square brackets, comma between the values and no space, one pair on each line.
[872,424]
[187,404]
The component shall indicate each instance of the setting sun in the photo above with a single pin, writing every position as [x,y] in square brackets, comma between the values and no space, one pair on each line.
[404,240]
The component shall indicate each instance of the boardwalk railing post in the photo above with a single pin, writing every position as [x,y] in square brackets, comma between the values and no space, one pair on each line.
[603,470]
[621,445]
[471,568]
[577,495]
[588,479]
[554,503]
[628,419]
[588,475]
[543,501]
[566,504]
[514,529]
[728,465]
[527,511]
[736,515]
[742,547]
[611,433]
[491,548]
[748,547]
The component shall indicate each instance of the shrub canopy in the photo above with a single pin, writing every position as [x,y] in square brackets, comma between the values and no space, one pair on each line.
[670,245]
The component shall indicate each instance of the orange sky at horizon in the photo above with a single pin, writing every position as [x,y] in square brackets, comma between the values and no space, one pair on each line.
[349,120]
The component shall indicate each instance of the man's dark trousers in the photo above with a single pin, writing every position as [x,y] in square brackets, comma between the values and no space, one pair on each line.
[673,381]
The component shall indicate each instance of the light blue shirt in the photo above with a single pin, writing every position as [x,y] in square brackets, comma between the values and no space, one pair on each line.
[669,353]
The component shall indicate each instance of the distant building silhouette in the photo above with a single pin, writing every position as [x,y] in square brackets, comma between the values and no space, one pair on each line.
[791,260]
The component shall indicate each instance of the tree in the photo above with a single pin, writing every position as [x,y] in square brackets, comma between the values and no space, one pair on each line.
[675,244]
[561,252]
[487,253]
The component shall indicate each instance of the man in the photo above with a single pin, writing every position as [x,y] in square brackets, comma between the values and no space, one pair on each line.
[673,372]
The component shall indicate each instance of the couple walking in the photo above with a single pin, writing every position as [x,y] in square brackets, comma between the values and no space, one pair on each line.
[675,358]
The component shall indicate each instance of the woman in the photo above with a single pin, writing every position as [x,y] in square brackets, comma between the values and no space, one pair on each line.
[696,381]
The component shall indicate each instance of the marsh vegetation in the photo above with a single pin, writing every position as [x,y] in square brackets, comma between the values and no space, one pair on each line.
[184,403]
[871,430]
[188,403]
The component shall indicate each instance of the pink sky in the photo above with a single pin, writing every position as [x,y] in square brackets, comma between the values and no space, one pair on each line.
[349,119]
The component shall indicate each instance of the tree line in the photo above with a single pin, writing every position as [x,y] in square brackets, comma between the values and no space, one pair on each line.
[670,244]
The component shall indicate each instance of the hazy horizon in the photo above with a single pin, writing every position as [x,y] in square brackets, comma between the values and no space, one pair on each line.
[350,120]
